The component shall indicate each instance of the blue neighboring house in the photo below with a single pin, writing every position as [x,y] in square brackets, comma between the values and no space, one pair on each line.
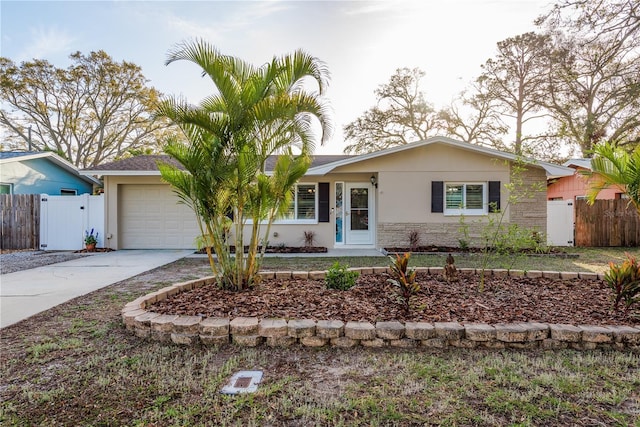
[28,172]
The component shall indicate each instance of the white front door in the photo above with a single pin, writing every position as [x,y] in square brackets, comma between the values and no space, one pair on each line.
[359,214]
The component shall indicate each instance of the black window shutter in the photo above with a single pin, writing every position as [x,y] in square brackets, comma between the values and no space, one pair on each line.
[437,196]
[323,202]
[494,196]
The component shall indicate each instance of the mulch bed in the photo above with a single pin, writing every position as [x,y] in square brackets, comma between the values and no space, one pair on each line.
[373,299]
[458,250]
[86,251]
[281,250]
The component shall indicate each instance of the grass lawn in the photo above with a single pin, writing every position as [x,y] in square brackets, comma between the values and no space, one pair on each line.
[76,365]
[576,259]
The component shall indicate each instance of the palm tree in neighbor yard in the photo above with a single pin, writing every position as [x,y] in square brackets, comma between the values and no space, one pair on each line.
[613,166]
[254,112]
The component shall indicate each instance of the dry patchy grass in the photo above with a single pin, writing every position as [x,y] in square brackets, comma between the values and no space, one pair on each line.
[76,365]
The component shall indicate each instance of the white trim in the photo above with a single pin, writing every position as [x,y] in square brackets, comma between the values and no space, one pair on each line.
[466,211]
[8,184]
[313,220]
[351,235]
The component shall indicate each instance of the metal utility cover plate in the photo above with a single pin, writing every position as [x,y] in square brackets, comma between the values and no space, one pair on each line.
[243,382]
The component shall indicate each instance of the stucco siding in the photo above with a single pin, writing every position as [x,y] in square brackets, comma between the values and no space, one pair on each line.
[434,158]
[291,235]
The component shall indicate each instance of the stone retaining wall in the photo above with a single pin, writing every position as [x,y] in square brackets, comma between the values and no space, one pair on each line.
[251,331]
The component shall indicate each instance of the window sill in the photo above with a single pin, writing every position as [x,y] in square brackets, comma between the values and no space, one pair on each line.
[295,221]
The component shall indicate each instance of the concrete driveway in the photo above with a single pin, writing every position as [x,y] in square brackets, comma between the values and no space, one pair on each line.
[28,292]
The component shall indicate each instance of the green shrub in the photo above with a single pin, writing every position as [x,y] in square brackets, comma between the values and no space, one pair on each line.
[624,281]
[404,279]
[340,277]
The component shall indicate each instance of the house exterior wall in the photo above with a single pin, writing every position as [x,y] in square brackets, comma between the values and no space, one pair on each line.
[40,176]
[291,234]
[527,209]
[402,199]
[570,187]
[404,193]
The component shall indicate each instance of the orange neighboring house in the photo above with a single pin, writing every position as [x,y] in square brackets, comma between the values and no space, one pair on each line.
[576,186]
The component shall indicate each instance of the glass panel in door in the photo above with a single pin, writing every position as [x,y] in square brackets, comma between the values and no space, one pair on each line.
[339,210]
[358,221]
[359,210]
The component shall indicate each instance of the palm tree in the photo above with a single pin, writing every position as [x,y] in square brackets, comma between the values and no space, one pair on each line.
[612,166]
[255,112]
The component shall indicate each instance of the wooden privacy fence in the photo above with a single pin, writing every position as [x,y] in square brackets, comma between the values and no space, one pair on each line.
[20,221]
[607,223]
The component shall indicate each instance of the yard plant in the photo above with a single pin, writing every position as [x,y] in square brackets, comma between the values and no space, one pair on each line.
[77,365]
[613,166]
[340,277]
[403,279]
[624,281]
[255,112]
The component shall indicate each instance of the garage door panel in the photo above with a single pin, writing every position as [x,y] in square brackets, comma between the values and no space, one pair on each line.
[151,217]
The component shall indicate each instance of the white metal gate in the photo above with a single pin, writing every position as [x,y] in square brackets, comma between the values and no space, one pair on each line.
[64,220]
[560,223]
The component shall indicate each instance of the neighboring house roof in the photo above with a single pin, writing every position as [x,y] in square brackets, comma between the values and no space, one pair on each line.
[581,163]
[323,164]
[148,164]
[20,156]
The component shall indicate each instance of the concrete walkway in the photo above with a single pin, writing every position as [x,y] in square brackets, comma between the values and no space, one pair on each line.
[28,292]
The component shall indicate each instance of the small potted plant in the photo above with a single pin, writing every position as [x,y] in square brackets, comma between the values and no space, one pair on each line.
[90,240]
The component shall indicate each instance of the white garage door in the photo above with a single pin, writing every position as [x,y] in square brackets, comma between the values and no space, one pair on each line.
[150,217]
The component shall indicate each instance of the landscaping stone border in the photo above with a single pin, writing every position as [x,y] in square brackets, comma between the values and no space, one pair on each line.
[252,331]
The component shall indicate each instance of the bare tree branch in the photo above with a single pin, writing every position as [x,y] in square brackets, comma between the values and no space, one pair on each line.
[93,111]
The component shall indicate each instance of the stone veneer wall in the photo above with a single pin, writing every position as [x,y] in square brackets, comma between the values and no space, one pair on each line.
[251,331]
[530,211]
[437,234]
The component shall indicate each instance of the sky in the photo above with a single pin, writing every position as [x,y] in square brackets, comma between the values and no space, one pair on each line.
[362,42]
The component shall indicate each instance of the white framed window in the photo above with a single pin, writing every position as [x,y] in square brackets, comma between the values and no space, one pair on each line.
[68,192]
[304,206]
[465,198]
[6,188]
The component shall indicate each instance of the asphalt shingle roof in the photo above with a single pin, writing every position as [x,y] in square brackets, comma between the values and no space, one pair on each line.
[136,163]
[150,162]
